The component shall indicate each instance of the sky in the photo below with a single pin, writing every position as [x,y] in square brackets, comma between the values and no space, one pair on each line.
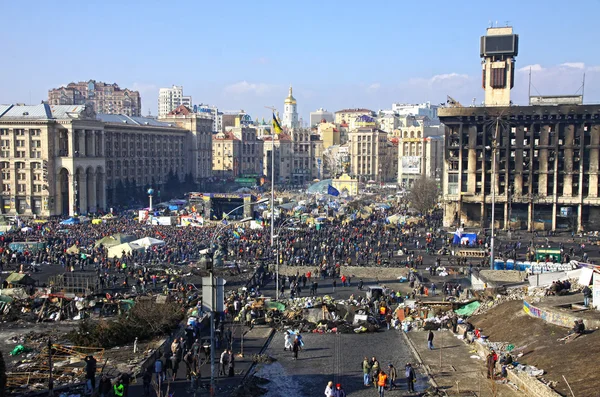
[336,54]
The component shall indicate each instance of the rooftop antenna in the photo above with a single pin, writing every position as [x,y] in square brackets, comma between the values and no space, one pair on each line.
[473,103]
[496,23]
[529,90]
[507,23]
[490,24]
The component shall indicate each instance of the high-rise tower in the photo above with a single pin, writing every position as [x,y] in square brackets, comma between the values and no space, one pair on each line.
[499,47]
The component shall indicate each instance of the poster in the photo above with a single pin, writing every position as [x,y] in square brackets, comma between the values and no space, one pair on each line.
[411,165]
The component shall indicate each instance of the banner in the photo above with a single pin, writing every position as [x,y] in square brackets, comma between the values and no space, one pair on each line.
[411,165]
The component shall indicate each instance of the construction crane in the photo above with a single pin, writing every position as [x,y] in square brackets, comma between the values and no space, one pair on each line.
[453,103]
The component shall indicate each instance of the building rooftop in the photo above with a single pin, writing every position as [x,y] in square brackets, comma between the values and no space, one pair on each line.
[512,112]
[357,110]
[132,120]
[42,111]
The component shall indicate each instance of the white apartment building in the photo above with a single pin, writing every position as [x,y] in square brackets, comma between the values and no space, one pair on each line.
[170,99]
[421,109]
[213,113]
[319,115]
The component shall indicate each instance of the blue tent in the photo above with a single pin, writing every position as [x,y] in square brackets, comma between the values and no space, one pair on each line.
[70,221]
[460,238]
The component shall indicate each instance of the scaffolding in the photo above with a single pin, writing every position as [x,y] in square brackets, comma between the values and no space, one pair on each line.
[75,283]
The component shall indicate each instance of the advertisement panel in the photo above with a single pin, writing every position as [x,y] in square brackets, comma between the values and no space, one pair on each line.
[411,165]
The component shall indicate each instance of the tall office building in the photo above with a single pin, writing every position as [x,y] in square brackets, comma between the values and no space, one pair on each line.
[101,97]
[319,115]
[170,99]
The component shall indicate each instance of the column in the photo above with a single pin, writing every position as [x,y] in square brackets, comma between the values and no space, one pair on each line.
[506,216]
[580,218]
[71,194]
[58,204]
[530,217]
[101,189]
[71,142]
[93,143]
[92,200]
[554,207]
[83,193]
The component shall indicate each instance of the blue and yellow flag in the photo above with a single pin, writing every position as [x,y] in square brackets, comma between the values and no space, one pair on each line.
[276,127]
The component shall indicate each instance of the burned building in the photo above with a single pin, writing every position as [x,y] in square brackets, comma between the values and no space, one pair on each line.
[537,165]
[546,168]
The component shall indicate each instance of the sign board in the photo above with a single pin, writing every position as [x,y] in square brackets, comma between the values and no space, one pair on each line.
[411,165]
[213,293]
[596,291]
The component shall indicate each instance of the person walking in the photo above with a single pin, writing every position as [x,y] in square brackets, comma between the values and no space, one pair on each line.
[287,342]
[339,391]
[430,340]
[231,364]
[381,382]
[491,359]
[409,374]
[393,375]
[224,361]
[296,347]
[366,366]
[329,389]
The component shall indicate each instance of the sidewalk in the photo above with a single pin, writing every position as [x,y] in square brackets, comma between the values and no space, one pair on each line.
[254,341]
[460,374]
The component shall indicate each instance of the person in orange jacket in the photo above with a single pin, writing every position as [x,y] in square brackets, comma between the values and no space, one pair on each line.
[381,382]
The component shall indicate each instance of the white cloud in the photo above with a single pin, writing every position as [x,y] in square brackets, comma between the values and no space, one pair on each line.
[573,65]
[593,69]
[438,78]
[244,87]
[373,87]
[534,68]
[262,60]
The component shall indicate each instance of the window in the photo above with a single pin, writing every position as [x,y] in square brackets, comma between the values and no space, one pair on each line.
[21,188]
[20,165]
[20,132]
[36,143]
[20,143]
[5,174]
[21,176]
[20,154]
[6,187]
[5,142]
[3,131]
[37,188]
[35,132]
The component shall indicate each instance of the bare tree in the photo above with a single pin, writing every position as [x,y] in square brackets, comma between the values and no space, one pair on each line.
[332,164]
[424,194]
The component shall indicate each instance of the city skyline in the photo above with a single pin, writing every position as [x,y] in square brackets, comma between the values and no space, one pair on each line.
[366,62]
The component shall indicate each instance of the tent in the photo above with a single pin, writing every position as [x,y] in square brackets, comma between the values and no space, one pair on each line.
[73,250]
[148,242]
[108,216]
[70,221]
[96,221]
[107,241]
[123,238]
[117,250]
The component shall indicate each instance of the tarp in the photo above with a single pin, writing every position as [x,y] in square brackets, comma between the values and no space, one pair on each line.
[96,221]
[117,250]
[108,216]
[459,238]
[148,242]
[73,249]
[468,310]
[70,221]
[19,278]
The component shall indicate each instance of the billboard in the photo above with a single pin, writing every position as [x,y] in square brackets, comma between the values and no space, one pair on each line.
[411,165]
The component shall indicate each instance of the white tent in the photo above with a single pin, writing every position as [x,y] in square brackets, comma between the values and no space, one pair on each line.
[147,242]
[117,250]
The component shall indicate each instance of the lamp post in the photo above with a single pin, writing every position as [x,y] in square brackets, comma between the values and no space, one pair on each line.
[150,194]
[494,150]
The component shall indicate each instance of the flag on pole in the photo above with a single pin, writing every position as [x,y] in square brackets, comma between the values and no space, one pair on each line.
[332,191]
[276,127]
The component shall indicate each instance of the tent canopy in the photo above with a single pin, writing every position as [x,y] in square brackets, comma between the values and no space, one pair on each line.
[148,242]
[70,221]
[118,250]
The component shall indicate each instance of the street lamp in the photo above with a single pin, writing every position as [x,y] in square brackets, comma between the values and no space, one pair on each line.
[291,221]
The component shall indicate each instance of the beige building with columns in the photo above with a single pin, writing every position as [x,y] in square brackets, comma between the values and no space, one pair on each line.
[66,160]
[369,159]
[283,157]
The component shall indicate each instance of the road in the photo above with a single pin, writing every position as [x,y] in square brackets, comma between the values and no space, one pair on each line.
[337,358]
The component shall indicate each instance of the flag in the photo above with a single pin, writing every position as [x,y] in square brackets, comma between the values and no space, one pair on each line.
[236,234]
[276,127]
[332,191]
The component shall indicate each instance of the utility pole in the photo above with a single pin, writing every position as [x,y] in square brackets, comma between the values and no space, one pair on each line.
[494,148]
[212,332]
[273,110]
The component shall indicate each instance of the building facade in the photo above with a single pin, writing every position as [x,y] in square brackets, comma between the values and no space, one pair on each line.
[368,149]
[290,112]
[303,156]
[102,97]
[141,151]
[419,156]
[283,157]
[213,113]
[546,168]
[226,153]
[319,115]
[347,116]
[170,99]
[250,158]
[199,145]
[329,133]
